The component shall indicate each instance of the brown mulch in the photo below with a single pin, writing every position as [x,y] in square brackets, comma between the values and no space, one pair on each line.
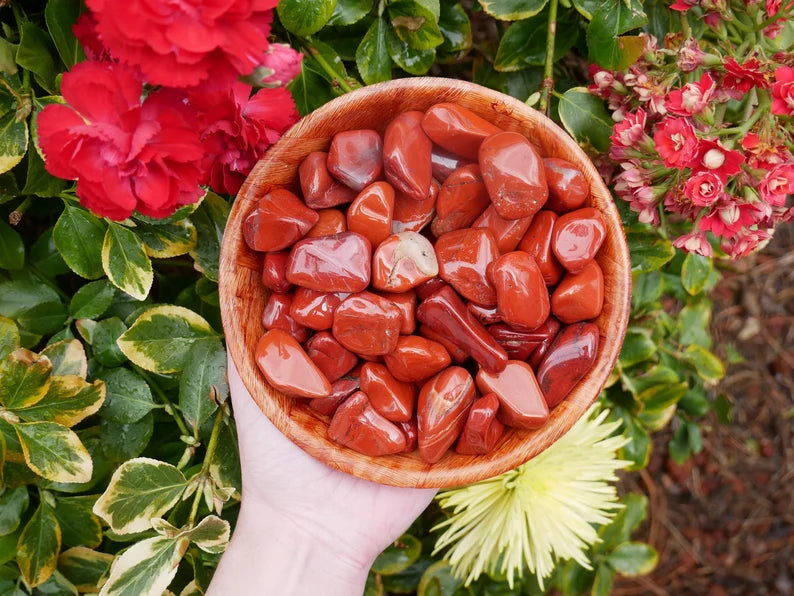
[724,522]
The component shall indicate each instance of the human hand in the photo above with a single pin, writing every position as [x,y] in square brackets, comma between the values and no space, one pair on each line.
[304,528]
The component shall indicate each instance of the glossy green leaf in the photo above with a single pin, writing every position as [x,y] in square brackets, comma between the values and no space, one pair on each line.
[69,400]
[105,341]
[128,398]
[168,240]
[399,556]
[585,118]
[92,300]
[18,296]
[708,366]
[24,379]
[121,442]
[695,402]
[57,585]
[13,134]
[656,375]
[415,24]
[320,50]
[661,397]
[225,464]
[125,261]
[84,567]
[637,347]
[693,324]
[646,290]
[372,56]
[648,251]
[203,382]
[524,43]
[587,7]
[416,62]
[43,318]
[211,534]
[67,358]
[347,12]
[12,250]
[34,54]
[61,16]
[619,530]
[54,452]
[45,256]
[374,585]
[7,53]
[9,337]
[604,578]
[310,90]
[608,48]
[79,235]
[678,447]
[407,581]
[633,558]
[147,567]
[8,551]
[695,273]
[79,525]
[512,10]
[304,17]
[455,27]
[13,504]
[438,580]
[638,449]
[39,545]
[210,221]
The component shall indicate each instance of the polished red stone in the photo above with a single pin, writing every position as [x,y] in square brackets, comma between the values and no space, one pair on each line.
[406,156]
[403,261]
[537,244]
[392,399]
[577,237]
[412,216]
[514,175]
[416,358]
[521,402]
[406,302]
[521,296]
[274,271]
[331,357]
[444,163]
[315,309]
[519,345]
[279,221]
[287,367]
[485,314]
[367,324]
[319,189]
[580,296]
[340,390]
[568,359]
[338,263]
[461,200]
[463,256]
[411,431]
[507,232]
[549,330]
[358,426]
[356,158]
[441,412]
[371,213]
[457,129]
[428,287]
[568,188]
[332,221]
[444,312]
[457,354]
[277,316]
[482,429]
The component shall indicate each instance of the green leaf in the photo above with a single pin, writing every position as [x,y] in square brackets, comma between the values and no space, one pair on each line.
[693,324]
[304,17]
[129,397]
[78,235]
[79,526]
[140,490]
[44,318]
[656,375]
[587,7]
[13,504]
[54,452]
[438,580]
[619,530]
[210,221]
[18,296]
[84,567]
[168,240]
[638,449]
[67,358]
[723,408]
[372,56]
[636,347]
[585,118]
[662,397]
[147,567]
[407,581]
[24,379]
[512,10]
[92,300]
[39,545]
[203,382]
[415,24]
[648,250]
[633,558]
[104,340]
[34,55]
[604,577]
[416,62]
[678,447]
[125,261]
[455,26]
[399,556]
[695,402]
[57,585]
[646,290]
[13,140]
[695,273]
[9,337]
[60,16]
[707,365]
[12,250]
[524,43]
[321,50]
[121,442]
[347,12]
[8,552]
[310,90]
[211,534]
[45,256]
[7,53]
[610,20]
[69,400]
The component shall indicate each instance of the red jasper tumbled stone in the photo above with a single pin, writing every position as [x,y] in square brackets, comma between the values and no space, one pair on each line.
[330,356]
[548,331]
[286,366]
[315,309]
[424,289]
[457,129]
[332,221]
[411,431]
[482,429]
[458,355]
[358,426]
[521,402]
[580,296]
[443,406]
[413,216]
[462,199]
[320,190]
[444,163]
[518,344]
[416,358]
[577,237]
[340,390]
[338,263]
[367,324]
[521,296]
[568,188]
[279,220]
[274,271]
[406,302]
[568,359]
[356,158]
[392,398]
[403,261]
[485,314]
[277,316]
[537,244]
[514,175]
[507,232]
[406,156]
[370,214]
[463,256]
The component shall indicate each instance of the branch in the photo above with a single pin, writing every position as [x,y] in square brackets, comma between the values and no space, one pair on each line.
[547,86]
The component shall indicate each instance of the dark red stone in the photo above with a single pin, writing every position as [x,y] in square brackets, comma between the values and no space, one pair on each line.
[402,262]
[458,355]
[577,237]
[443,406]
[277,316]
[412,216]
[330,356]
[416,358]
[424,289]
[367,324]
[507,232]
[315,309]
[332,221]
[521,402]
[457,129]
[274,271]
[482,429]
[519,345]
[358,426]
[444,163]
[568,188]
[537,244]
[550,329]
[371,212]
[287,367]
[461,200]
[568,359]
[521,295]
[406,302]
[411,432]
[406,156]
[485,314]
[463,256]
[338,263]
[356,158]
[320,190]
[580,296]
[340,390]
[392,399]
[279,221]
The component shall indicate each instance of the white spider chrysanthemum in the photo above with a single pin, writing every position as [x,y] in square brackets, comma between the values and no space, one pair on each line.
[542,510]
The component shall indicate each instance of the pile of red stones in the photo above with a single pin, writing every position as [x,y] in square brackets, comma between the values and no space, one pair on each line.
[454,223]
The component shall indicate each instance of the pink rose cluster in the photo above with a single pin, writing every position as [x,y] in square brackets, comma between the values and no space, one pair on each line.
[703,140]
[158,109]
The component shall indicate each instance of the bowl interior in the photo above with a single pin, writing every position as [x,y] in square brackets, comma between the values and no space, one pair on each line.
[243,296]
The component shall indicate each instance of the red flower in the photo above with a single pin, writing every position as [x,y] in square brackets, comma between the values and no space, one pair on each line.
[728,217]
[695,242]
[183,43]
[676,142]
[712,156]
[631,130]
[236,129]
[283,62]
[704,189]
[783,91]
[743,77]
[777,184]
[763,154]
[747,242]
[684,5]
[85,32]
[124,154]
[693,98]
[772,8]
[690,56]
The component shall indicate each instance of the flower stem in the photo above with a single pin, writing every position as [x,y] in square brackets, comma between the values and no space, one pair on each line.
[16,215]
[205,466]
[749,119]
[338,79]
[169,407]
[685,26]
[547,86]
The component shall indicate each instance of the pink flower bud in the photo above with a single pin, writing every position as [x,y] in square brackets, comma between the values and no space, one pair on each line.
[713,159]
[284,62]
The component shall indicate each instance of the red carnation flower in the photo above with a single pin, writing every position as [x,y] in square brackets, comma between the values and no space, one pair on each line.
[236,129]
[693,98]
[714,157]
[783,91]
[728,217]
[764,153]
[85,32]
[180,44]
[695,242]
[676,142]
[743,77]
[704,189]
[684,5]
[777,184]
[124,154]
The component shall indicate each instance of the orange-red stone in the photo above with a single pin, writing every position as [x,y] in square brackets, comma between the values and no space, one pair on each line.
[577,237]
[549,330]
[287,367]
[568,359]
[277,316]
[338,263]
[319,189]
[568,188]
[403,261]
[444,163]
[521,402]
[463,256]
[406,302]
[340,390]
[443,406]
[315,309]
[330,356]
[519,345]
[371,212]
[507,232]
[521,296]
[392,399]
[580,296]
[485,314]
[406,156]
[412,216]
[356,157]
[537,244]
[274,271]
[482,429]
[279,220]
[457,129]
[411,432]
[358,426]
[332,221]
[462,199]
[458,355]
[416,358]
[367,324]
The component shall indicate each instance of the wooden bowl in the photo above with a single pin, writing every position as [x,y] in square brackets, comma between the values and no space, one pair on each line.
[243,296]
